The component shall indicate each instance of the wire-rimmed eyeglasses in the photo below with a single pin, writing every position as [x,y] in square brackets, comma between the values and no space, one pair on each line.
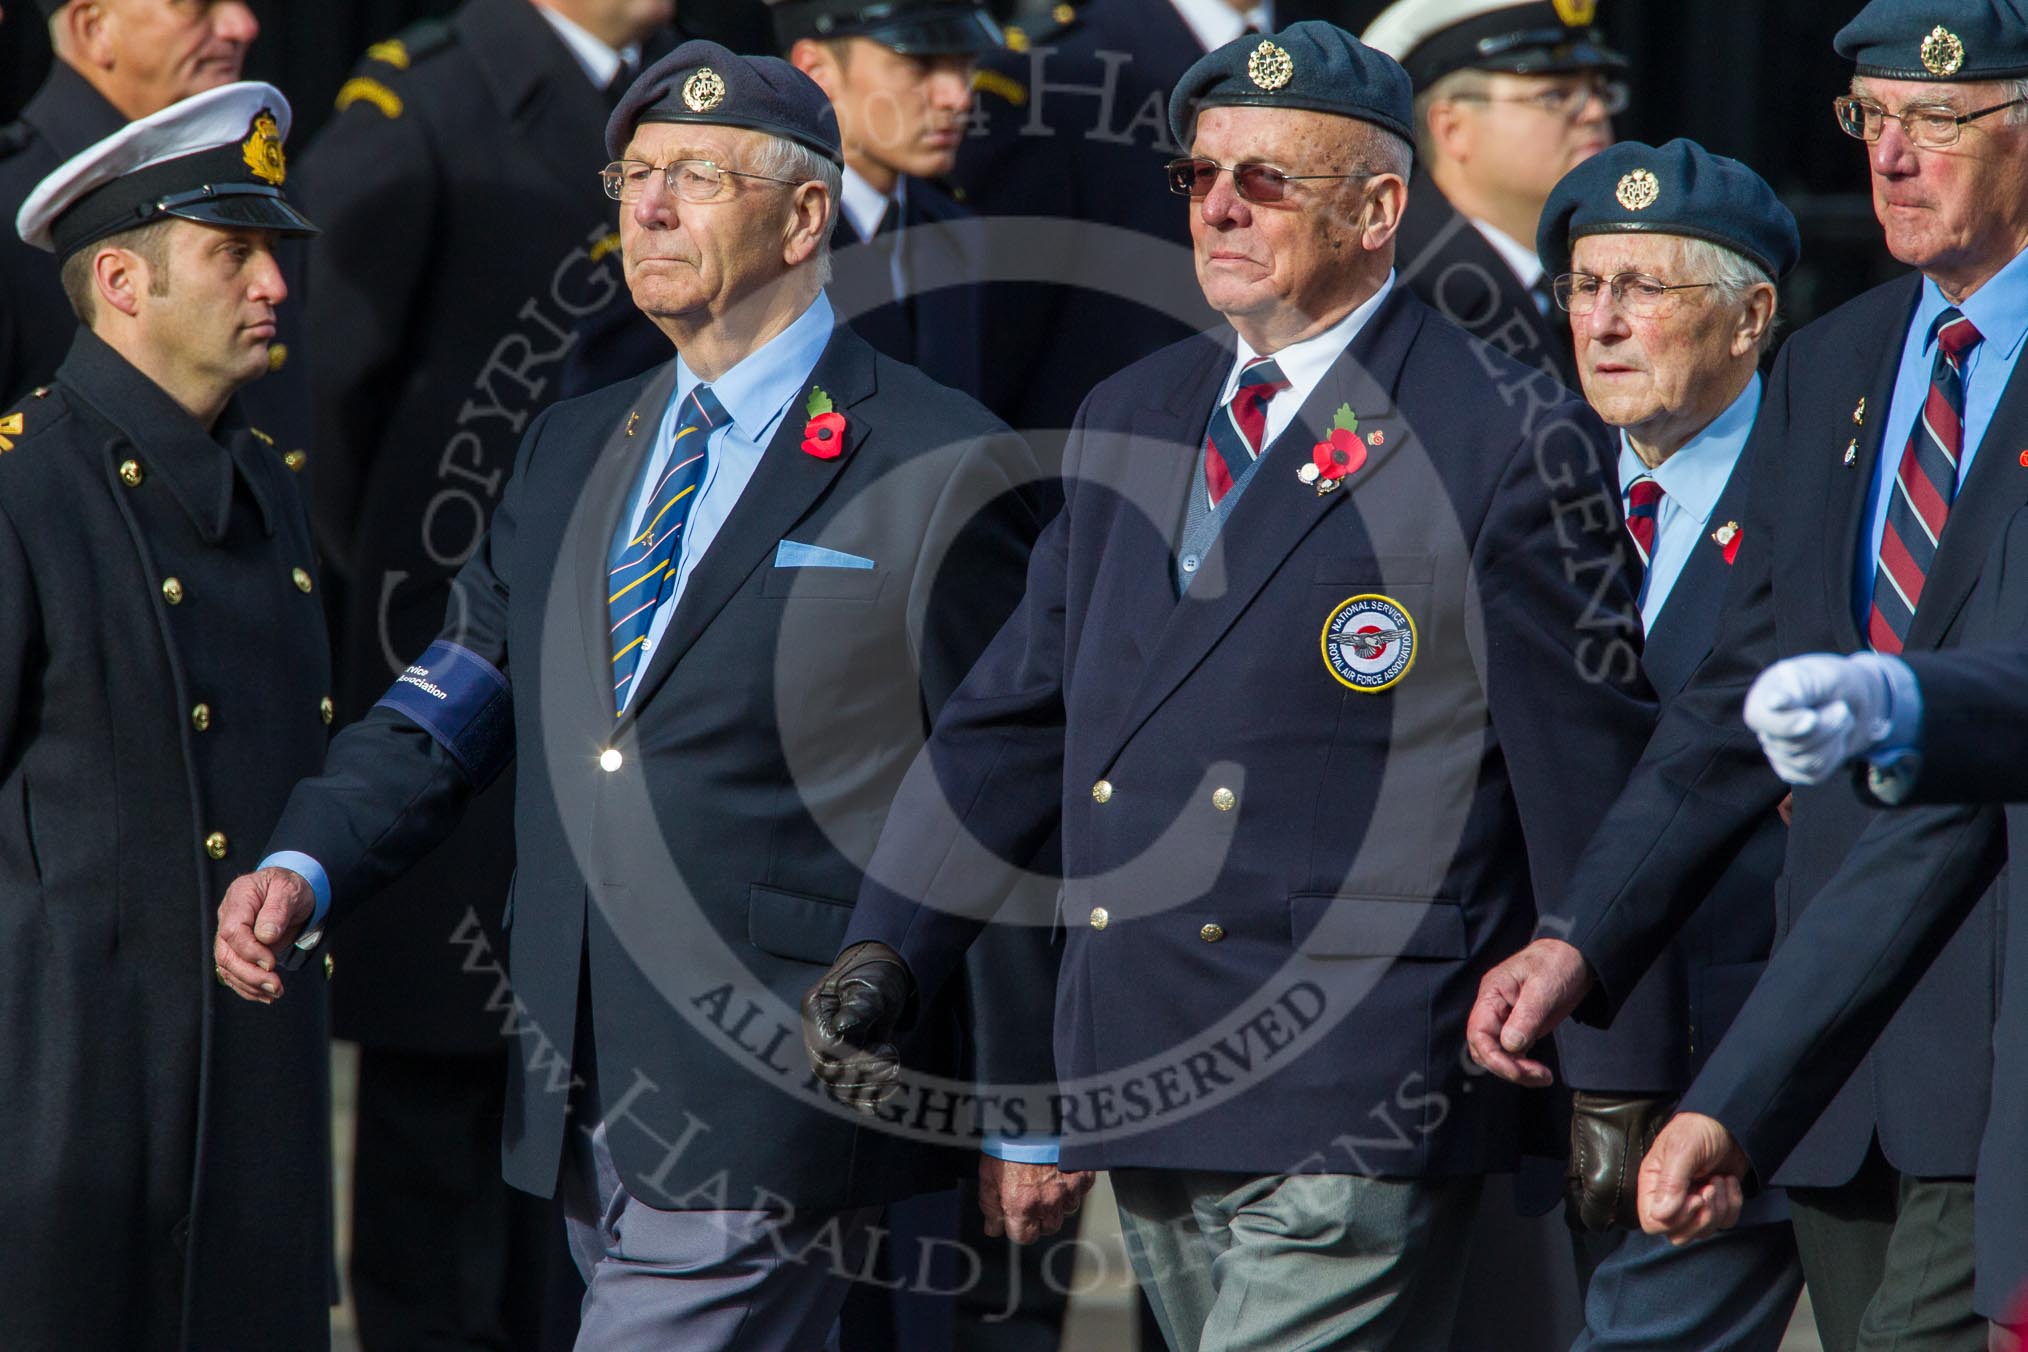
[1636,293]
[1262,184]
[1927,126]
[690,180]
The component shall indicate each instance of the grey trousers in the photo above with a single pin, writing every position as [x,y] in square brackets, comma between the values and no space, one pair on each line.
[703,1281]
[1284,1263]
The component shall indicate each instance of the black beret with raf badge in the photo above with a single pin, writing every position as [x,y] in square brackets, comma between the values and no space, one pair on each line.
[708,83]
[1312,65]
[1956,40]
[215,158]
[1675,189]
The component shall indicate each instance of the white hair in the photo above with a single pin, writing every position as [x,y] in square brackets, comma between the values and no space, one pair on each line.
[1732,272]
[780,157]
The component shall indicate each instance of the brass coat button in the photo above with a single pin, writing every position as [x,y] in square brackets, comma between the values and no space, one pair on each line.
[294,460]
[301,579]
[130,473]
[1224,799]
[1102,792]
[200,717]
[172,591]
[215,844]
[1211,934]
[326,710]
[610,760]
[1099,918]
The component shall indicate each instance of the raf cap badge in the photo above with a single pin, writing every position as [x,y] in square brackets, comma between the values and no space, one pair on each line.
[703,91]
[1942,53]
[263,149]
[1369,643]
[1637,190]
[1269,66]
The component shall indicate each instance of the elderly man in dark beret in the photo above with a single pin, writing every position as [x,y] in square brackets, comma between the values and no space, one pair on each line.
[1868,537]
[1301,672]
[715,609]
[1665,260]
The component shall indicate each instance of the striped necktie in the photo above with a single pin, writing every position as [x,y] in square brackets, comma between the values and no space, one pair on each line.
[1644,503]
[644,565]
[1923,489]
[1234,440]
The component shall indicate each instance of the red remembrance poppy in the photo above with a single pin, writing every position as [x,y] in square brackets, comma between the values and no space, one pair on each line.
[1340,455]
[824,436]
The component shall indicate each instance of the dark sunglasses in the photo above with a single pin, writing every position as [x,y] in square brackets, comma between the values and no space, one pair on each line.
[1259,183]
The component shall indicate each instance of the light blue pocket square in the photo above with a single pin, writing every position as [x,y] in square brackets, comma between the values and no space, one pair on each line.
[789,554]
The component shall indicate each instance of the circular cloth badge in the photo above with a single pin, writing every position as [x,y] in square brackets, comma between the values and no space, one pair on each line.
[1369,643]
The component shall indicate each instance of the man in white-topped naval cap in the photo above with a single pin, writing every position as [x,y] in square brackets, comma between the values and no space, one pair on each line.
[151,543]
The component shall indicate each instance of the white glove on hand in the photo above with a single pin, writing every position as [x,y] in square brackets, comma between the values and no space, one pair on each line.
[1814,713]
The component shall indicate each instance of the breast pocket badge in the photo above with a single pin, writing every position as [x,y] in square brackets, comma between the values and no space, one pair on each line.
[1369,643]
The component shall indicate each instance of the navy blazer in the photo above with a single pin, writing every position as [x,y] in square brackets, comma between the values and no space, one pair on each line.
[1280,892]
[1830,991]
[936,329]
[701,876]
[1667,1026]
[1703,787]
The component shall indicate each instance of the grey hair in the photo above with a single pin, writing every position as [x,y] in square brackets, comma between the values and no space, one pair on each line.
[779,157]
[2013,89]
[1390,152]
[1732,272]
[1448,87]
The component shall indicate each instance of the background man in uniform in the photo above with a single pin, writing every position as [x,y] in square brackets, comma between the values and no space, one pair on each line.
[1666,260]
[1870,536]
[116,60]
[465,235]
[149,541]
[721,601]
[1337,471]
[1508,99]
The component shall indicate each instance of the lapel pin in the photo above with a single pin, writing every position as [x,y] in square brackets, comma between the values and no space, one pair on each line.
[1852,452]
[1376,438]
[1859,412]
[1726,537]
[1338,455]
[2024,460]
[633,419]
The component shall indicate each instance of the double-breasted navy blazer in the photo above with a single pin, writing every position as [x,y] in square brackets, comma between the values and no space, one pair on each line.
[1703,787]
[698,856]
[1907,887]
[1667,1026]
[1281,891]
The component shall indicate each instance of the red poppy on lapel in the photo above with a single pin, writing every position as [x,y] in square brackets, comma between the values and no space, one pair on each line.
[824,433]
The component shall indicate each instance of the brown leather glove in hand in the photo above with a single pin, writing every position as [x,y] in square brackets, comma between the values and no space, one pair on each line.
[1609,1135]
[849,1019]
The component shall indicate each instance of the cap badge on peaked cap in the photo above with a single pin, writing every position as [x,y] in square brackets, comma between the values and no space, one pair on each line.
[1637,190]
[262,149]
[1576,13]
[1269,67]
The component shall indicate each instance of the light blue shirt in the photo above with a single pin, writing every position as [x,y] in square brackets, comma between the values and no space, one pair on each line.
[1999,311]
[756,394]
[1692,481]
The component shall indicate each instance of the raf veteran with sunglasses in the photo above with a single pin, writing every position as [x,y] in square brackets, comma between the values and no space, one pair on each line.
[1304,672]
[1666,259]
[714,611]
[1884,465]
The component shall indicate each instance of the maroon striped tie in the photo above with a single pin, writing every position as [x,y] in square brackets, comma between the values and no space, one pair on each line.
[1923,489]
[1644,500]
[1233,440]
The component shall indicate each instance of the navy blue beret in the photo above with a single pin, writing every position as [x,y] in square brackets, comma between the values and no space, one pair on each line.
[704,82]
[1312,65]
[1675,189]
[911,27]
[1958,40]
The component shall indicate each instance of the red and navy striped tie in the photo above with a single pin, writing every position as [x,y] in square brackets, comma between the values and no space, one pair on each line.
[1236,429]
[644,566]
[1921,496]
[1644,500]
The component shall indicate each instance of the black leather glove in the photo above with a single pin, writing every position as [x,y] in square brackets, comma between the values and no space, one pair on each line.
[1609,1136]
[849,1019]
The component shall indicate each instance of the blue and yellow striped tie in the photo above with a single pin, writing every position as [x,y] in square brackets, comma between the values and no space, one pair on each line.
[644,564]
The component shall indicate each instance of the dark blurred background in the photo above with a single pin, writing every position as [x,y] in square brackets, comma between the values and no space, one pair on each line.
[1747,78]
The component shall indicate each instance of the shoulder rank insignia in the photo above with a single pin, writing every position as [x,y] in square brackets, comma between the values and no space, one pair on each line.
[393,52]
[1004,86]
[363,90]
[262,437]
[11,426]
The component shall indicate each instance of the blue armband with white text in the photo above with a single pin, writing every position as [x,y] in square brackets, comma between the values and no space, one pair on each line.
[461,700]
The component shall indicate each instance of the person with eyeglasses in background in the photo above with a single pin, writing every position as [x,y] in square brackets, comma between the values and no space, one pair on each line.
[1885,464]
[1665,259]
[1509,97]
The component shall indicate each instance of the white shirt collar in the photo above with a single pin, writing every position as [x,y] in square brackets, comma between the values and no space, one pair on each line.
[600,62]
[865,204]
[1303,364]
[1214,22]
[1516,255]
